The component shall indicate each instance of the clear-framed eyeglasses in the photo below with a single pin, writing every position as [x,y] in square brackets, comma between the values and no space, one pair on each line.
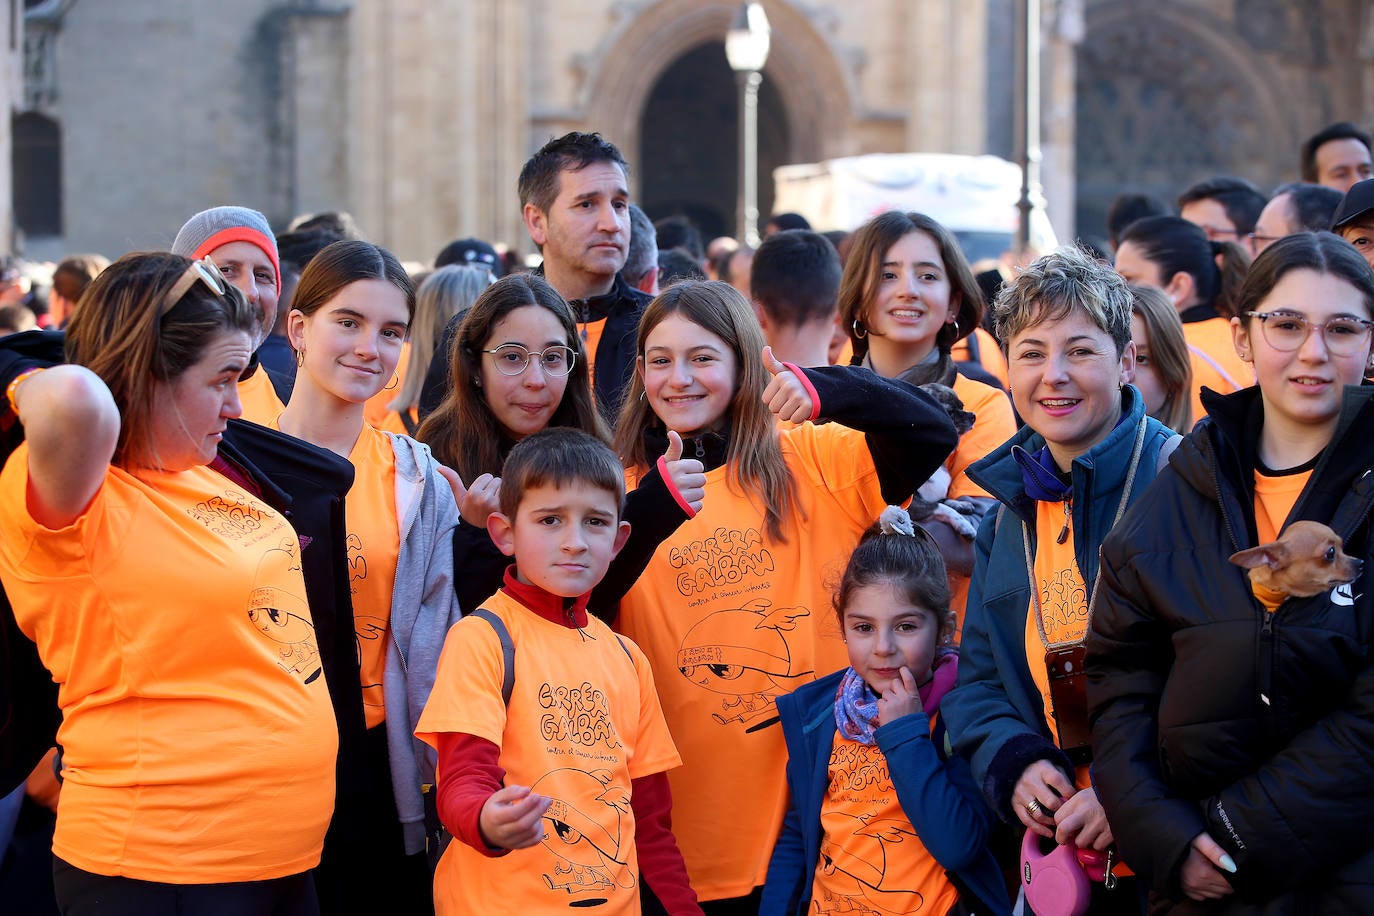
[513,359]
[1287,331]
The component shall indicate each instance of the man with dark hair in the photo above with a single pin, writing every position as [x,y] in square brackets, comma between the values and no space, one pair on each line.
[782,222]
[1295,207]
[680,232]
[1225,207]
[641,259]
[1129,207]
[1337,156]
[795,285]
[575,201]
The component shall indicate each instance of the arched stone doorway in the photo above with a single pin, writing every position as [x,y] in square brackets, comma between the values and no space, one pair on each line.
[1165,100]
[816,96]
[689,135]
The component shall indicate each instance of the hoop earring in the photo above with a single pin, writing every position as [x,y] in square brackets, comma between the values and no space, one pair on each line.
[395,380]
[955,322]
[300,358]
[859,330]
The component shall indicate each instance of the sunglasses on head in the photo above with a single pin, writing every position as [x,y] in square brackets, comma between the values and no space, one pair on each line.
[203,271]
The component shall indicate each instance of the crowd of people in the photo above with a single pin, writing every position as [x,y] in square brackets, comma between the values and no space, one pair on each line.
[835,576]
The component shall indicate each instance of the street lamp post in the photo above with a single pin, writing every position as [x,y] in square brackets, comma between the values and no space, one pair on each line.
[746,48]
[1028,118]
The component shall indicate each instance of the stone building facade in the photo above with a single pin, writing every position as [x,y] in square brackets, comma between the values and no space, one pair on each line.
[416,115]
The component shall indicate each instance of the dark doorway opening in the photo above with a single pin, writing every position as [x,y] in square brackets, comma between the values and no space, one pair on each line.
[689,136]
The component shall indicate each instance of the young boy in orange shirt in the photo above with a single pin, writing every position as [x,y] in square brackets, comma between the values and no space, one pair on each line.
[552,745]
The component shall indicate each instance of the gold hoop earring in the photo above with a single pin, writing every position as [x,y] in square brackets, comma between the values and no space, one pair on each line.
[859,330]
[300,358]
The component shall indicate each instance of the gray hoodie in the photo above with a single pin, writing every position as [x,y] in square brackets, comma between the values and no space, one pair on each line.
[423,607]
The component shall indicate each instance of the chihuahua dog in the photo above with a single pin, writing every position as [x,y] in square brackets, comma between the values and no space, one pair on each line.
[1306,560]
[931,499]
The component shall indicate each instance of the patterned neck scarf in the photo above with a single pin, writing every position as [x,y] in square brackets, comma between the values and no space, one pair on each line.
[856,705]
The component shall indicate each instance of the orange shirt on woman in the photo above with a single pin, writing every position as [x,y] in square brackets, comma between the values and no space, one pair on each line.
[198,735]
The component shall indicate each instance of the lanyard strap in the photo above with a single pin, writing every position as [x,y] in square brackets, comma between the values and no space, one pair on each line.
[1131,469]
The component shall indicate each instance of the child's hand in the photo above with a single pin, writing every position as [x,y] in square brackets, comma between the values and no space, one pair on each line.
[512,818]
[900,698]
[786,396]
[483,498]
[687,475]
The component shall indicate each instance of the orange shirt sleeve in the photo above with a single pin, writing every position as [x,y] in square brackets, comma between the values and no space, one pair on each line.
[995,424]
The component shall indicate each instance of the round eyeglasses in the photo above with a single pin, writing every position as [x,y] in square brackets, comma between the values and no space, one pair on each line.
[1287,331]
[513,359]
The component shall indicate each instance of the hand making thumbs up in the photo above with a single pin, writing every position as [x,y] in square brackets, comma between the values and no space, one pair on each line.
[787,396]
[686,475]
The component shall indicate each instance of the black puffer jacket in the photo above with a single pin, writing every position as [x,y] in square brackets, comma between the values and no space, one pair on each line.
[1210,714]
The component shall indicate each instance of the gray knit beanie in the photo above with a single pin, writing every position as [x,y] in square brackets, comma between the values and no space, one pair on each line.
[209,229]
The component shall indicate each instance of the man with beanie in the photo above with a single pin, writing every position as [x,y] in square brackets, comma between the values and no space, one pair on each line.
[240,242]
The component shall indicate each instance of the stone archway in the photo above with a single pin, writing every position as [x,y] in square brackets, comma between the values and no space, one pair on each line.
[1164,99]
[689,132]
[817,93]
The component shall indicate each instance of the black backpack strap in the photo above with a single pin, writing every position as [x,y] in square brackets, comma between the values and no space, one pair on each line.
[409,420]
[507,650]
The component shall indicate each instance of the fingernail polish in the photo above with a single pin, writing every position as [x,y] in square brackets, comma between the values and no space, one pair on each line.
[1228,863]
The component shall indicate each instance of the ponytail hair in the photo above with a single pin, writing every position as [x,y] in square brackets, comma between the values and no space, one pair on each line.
[901,554]
[1233,263]
[1175,245]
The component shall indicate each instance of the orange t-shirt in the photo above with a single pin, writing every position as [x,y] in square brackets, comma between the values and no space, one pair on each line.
[583,721]
[260,402]
[872,860]
[1063,604]
[374,543]
[1215,364]
[590,332]
[729,619]
[198,736]
[1275,497]
[378,407]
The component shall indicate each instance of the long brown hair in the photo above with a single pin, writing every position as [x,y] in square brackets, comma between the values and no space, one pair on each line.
[1168,353]
[462,430]
[753,458]
[128,335]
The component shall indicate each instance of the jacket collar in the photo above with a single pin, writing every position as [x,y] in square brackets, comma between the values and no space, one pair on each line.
[565,612]
[595,308]
[711,449]
[1095,473]
[1219,460]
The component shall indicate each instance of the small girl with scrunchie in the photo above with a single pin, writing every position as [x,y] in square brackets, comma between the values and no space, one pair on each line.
[881,819]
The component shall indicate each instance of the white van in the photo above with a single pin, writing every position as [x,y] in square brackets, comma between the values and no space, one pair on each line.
[972,196]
